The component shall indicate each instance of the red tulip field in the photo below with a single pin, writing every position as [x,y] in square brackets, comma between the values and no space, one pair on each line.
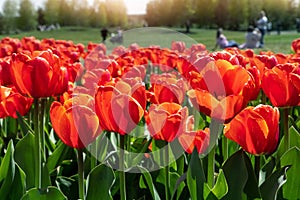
[145,122]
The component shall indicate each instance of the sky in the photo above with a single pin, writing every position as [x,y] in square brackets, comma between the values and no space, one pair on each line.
[133,6]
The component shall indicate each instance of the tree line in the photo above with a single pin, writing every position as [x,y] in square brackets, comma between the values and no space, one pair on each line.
[229,14]
[63,12]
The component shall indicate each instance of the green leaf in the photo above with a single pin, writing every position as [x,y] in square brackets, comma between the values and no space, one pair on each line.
[100,181]
[19,184]
[7,172]
[294,141]
[291,188]
[24,157]
[272,184]
[179,186]
[25,128]
[60,153]
[251,188]
[267,170]
[236,175]
[68,186]
[147,177]
[221,188]
[50,193]
[195,177]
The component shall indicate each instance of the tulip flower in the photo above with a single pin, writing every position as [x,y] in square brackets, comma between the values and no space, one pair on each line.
[165,121]
[39,75]
[75,122]
[220,90]
[280,85]
[255,129]
[120,106]
[191,138]
[12,102]
[167,88]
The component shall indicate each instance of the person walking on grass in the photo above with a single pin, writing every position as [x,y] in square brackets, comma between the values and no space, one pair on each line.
[262,25]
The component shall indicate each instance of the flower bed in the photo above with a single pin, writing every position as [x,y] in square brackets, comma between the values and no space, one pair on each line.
[147,122]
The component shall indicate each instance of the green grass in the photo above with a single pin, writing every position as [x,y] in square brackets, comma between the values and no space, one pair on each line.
[163,37]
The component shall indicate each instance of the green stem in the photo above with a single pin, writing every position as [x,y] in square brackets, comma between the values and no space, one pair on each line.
[257,166]
[167,177]
[211,168]
[94,154]
[286,128]
[225,148]
[38,160]
[42,123]
[80,174]
[122,168]
[263,97]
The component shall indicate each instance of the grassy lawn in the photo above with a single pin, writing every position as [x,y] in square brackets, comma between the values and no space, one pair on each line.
[164,37]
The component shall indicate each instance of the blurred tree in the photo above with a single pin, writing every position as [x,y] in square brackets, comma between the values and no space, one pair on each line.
[116,12]
[182,12]
[27,19]
[9,15]
[253,9]
[98,16]
[82,13]
[238,13]
[152,13]
[222,13]
[66,13]
[41,17]
[204,12]
[52,8]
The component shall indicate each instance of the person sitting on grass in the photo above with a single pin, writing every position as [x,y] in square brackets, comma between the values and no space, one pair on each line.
[222,41]
[253,36]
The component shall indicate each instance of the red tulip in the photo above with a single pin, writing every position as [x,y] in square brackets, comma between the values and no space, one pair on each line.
[12,102]
[39,75]
[280,85]
[255,129]
[221,89]
[191,138]
[120,106]
[75,123]
[167,88]
[165,121]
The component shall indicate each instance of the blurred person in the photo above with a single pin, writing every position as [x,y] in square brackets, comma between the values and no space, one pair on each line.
[253,36]
[104,33]
[222,41]
[262,25]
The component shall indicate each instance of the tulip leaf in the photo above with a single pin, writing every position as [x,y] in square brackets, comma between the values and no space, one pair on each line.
[100,181]
[24,156]
[12,178]
[235,171]
[251,188]
[195,177]
[19,184]
[68,186]
[146,176]
[291,188]
[221,188]
[60,153]
[48,194]
[273,183]
[25,128]
[294,141]
[179,186]
[267,170]
[7,172]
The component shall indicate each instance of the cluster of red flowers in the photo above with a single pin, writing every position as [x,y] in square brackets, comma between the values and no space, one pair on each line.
[115,92]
